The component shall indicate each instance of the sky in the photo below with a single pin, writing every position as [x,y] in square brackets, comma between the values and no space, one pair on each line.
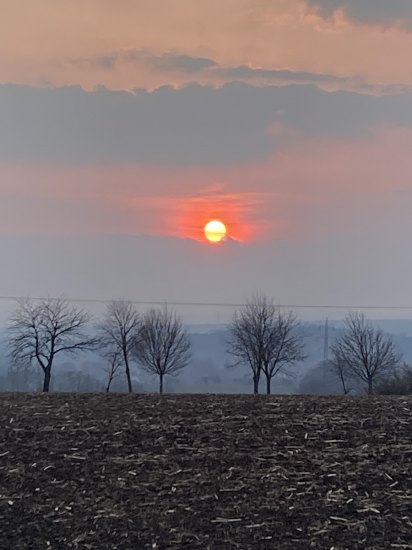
[126,126]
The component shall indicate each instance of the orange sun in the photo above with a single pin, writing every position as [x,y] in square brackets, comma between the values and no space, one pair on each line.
[215,231]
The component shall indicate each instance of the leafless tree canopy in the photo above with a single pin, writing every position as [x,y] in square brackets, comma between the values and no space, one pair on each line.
[118,333]
[340,369]
[265,339]
[248,336]
[284,347]
[365,351]
[41,330]
[163,346]
[113,366]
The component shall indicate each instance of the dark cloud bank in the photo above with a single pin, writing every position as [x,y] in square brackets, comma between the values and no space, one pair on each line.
[382,12]
[194,125]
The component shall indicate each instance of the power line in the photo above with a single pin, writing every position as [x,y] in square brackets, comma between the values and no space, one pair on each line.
[211,304]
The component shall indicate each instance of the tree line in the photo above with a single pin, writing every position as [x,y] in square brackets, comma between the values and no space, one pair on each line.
[262,337]
[41,331]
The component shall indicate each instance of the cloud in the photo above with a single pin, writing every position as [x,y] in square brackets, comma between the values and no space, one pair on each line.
[381,12]
[209,71]
[170,61]
[100,62]
[194,38]
[194,125]
[316,187]
[164,62]
[244,72]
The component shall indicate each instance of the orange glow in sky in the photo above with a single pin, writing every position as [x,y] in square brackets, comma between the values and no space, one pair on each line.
[229,210]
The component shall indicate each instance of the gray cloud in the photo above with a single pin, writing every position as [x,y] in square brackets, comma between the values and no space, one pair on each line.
[101,62]
[178,62]
[383,12]
[245,72]
[167,61]
[107,62]
[187,65]
[193,125]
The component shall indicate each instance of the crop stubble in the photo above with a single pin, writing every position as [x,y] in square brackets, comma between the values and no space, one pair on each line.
[204,471]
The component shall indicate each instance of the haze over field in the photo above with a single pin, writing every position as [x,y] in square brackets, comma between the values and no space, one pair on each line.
[125,127]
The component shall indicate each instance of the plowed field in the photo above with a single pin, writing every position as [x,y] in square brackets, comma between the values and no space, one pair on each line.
[203,471]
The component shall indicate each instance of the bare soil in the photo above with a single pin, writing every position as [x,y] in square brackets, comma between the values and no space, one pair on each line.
[204,471]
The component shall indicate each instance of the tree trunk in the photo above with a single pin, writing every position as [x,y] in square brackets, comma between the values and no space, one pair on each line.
[129,380]
[46,380]
[344,387]
[255,384]
[160,383]
[370,386]
[268,384]
[108,385]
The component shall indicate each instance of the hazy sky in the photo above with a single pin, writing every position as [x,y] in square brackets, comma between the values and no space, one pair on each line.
[125,126]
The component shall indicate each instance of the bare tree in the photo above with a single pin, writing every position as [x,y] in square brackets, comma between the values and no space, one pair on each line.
[41,330]
[113,366]
[163,346]
[340,369]
[284,346]
[248,336]
[365,351]
[265,339]
[118,332]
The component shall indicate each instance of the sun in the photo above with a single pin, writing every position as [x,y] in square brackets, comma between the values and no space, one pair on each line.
[215,231]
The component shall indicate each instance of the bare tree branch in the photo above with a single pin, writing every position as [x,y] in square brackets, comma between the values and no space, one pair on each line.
[365,351]
[118,332]
[265,339]
[39,331]
[341,370]
[114,364]
[163,346]
[284,346]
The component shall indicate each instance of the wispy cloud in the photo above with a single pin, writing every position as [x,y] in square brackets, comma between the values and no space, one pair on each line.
[244,72]
[100,62]
[168,61]
[213,72]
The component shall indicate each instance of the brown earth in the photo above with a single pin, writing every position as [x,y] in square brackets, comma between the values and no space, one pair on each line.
[204,471]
